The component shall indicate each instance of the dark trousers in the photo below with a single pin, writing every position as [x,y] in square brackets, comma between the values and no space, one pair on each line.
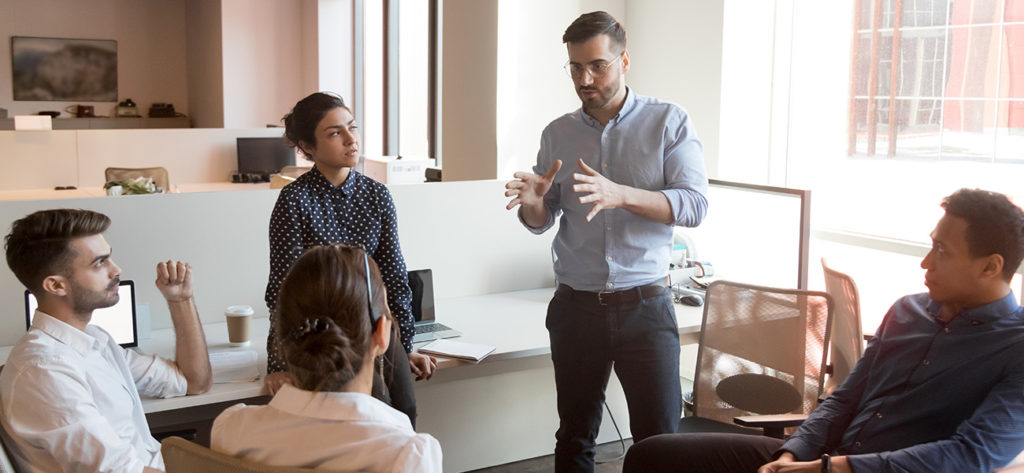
[700,453]
[640,339]
[393,384]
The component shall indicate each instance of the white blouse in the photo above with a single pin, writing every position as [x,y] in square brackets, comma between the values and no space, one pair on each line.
[70,400]
[330,430]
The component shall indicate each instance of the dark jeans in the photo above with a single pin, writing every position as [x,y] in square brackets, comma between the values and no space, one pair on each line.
[394,384]
[640,340]
[700,453]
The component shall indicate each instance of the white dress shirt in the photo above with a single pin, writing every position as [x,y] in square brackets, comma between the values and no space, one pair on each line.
[330,430]
[69,400]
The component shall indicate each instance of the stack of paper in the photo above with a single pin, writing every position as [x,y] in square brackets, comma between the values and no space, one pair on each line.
[234,366]
[461,350]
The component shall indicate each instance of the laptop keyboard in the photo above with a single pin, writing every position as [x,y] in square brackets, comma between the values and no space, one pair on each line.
[429,328]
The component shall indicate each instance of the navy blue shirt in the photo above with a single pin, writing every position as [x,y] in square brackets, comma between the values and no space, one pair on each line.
[310,212]
[928,395]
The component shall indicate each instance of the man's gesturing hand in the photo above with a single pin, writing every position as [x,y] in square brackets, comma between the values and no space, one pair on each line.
[528,189]
[604,193]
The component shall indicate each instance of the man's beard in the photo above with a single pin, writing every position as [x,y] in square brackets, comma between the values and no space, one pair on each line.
[85,301]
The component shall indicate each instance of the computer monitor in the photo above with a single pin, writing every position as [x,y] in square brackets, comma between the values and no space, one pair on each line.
[756,234]
[119,320]
[263,156]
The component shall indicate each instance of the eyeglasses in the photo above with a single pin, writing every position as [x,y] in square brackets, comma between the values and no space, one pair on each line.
[597,69]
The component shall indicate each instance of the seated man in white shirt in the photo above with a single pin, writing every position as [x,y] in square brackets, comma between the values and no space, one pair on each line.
[333,327]
[69,394]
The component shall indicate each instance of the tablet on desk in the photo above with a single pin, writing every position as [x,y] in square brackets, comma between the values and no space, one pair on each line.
[119,320]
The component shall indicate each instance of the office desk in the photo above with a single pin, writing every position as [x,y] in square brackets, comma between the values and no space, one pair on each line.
[513,322]
[494,412]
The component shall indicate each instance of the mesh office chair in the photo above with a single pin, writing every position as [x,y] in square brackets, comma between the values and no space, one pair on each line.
[182,456]
[762,353]
[847,340]
[158,174]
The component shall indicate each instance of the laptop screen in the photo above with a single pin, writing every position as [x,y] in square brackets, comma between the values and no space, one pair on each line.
[118,320]
[421,281]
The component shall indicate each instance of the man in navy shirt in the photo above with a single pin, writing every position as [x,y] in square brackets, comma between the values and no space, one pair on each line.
[637,171]
[940,387]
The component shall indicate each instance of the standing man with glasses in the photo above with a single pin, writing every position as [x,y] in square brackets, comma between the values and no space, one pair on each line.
[639,172]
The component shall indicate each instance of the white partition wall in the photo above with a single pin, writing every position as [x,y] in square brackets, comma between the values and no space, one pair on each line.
[460,230]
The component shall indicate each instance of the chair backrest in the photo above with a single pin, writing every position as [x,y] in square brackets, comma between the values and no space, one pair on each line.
[158,174]
[847,334]
[182,456]
[5,462]
[762,351]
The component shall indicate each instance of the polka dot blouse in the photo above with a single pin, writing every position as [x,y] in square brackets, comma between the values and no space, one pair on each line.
[310,212]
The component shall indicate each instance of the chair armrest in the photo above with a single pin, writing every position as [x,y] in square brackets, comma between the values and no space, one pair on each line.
[773,425]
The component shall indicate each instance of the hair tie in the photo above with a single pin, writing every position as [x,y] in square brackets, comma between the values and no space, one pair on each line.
[307,326]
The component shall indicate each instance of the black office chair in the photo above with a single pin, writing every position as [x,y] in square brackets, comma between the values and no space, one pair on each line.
[761,359]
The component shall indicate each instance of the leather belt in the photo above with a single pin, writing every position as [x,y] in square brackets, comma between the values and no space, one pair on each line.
[626,296]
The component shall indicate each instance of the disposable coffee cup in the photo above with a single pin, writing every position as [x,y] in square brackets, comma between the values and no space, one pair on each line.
[239,318]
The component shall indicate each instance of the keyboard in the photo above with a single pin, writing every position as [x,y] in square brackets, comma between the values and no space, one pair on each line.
[429,328]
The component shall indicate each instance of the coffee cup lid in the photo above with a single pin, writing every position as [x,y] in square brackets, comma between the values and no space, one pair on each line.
[239,310]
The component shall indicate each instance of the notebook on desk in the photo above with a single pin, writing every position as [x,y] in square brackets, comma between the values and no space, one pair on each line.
[119,320]
[421,281]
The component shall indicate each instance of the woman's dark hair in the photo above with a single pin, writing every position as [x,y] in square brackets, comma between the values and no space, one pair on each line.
[38,245]
[300,124]
[994,225]
[323,316]
[593,24]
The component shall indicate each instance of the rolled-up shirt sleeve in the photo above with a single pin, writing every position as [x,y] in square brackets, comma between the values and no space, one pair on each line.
[686,180]
[155,376]
[554,195]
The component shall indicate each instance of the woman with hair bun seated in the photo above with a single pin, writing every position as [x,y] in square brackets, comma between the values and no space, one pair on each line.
[333,325]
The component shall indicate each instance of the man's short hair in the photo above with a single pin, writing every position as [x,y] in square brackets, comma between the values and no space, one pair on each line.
[593,24]
[994,225]
[39,244]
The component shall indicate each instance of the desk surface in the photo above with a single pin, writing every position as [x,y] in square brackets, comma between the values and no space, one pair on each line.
[511,321]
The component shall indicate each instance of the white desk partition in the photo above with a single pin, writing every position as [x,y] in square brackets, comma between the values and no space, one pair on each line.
[459,229]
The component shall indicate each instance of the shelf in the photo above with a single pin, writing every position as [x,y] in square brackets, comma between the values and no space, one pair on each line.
[109,123]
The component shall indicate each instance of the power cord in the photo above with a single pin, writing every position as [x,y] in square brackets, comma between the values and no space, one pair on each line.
[622,442]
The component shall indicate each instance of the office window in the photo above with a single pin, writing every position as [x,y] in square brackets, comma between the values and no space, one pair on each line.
[399,64]
[938,79]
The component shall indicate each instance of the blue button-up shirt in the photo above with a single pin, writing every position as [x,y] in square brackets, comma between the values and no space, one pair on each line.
[927,395]
[649,145]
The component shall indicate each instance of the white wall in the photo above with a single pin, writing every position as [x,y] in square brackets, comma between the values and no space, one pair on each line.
[532,88]
[263,68]
[460,230]
[676,53]
[335,50]
[150,39]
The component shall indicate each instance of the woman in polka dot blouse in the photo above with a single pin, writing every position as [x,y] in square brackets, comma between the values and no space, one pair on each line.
[332,203]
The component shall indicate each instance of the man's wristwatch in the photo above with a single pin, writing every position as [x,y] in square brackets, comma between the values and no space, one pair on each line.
[826,464]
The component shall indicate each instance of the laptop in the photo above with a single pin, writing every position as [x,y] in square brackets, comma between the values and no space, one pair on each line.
[421,281]
[119,320]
